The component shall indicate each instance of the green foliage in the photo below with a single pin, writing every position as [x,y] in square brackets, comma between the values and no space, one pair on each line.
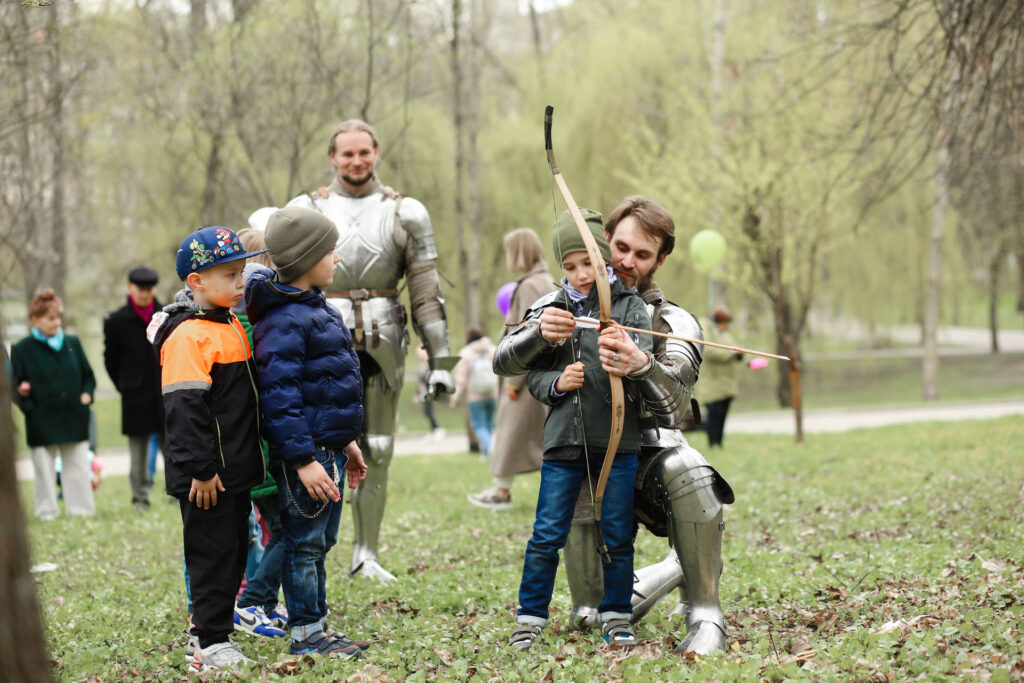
[877,553]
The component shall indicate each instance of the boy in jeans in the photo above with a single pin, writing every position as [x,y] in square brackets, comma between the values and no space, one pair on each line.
[213,442]
[571,380]
[311,394]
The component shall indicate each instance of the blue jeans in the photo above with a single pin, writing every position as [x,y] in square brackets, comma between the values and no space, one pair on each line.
[560,483]
[152,449]
[262,587]
[481,414]
[310,531]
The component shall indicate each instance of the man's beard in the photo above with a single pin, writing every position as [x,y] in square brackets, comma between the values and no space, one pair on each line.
[640,282]
[357,183]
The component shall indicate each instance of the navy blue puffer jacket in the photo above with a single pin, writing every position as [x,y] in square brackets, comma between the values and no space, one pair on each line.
[311,393]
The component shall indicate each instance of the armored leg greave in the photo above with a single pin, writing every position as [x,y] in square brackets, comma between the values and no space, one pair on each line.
[369,498]
[654,582]
[584,572]
[694,494]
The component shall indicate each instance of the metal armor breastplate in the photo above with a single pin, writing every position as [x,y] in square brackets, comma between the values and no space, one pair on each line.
[370,256]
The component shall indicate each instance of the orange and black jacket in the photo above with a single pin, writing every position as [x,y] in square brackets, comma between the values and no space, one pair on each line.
[210,399]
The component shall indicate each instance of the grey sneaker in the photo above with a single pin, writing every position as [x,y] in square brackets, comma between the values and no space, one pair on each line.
[524,636]
[226,655]
[492,499]
[193,645]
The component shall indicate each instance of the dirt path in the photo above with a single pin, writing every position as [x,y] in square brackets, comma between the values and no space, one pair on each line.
[775,422]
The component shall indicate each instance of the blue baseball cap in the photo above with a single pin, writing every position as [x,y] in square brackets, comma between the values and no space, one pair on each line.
[208,247]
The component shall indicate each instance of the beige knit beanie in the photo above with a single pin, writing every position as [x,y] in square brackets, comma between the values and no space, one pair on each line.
[297,238]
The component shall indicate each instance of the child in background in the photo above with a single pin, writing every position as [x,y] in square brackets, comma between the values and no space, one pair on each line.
[571,381]
[257,610]
[213,443]
[311,393]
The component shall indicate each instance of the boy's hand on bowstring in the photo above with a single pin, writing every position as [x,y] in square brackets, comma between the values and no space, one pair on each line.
[556,324]
[355,470]
[571,378]
[204,493]
[319,485]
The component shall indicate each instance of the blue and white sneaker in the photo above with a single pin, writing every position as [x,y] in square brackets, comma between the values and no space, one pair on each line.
[278,616]
[253,620]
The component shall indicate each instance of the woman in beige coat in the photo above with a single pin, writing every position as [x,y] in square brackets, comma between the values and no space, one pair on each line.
[518,435]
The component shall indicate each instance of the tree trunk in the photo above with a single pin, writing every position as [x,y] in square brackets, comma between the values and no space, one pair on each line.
[22,645]
[716,282]
[933,297]
[55,109]
[458,117]
[473,167]
[994,269]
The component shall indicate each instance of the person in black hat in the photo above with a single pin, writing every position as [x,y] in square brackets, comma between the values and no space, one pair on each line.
[133,367]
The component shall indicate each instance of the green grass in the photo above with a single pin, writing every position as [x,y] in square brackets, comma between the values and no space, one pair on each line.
[858,556]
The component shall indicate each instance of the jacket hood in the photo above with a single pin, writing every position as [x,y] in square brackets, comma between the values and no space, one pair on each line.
[173,314]
[264,293]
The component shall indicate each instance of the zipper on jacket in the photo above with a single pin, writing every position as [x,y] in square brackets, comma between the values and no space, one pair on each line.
[220,446]
[255,392]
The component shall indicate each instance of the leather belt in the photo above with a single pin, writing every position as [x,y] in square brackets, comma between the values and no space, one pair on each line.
[357,296]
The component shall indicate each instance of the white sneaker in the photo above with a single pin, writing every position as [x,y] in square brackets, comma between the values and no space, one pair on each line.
[226,655]
[438,434]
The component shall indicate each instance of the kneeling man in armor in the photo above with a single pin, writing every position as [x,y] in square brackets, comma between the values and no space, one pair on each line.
[679,495]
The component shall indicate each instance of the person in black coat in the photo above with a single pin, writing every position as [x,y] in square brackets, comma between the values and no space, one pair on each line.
[132,365]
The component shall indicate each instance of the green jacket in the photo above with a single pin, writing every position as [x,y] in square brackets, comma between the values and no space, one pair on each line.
[269,485]
[719,373]
[563,426]
[53,410]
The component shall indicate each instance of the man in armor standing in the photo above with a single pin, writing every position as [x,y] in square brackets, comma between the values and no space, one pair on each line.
[383,238]
[678,493]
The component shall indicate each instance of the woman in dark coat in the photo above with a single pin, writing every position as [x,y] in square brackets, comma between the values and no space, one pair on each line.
[519,427]
[55,385]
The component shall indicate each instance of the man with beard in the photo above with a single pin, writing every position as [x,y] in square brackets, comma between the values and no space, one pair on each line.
[384,237]
[678,493]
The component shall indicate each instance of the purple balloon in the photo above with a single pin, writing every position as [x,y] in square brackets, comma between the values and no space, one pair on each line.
[504,298]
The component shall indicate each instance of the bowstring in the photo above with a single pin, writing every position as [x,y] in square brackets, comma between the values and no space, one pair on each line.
[572,350]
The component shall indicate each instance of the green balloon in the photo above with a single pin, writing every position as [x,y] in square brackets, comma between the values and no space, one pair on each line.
[707,249]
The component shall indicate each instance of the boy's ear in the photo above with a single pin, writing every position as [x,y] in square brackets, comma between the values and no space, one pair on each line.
[194,281]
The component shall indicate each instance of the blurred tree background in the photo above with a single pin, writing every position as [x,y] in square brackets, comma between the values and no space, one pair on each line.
[862,158]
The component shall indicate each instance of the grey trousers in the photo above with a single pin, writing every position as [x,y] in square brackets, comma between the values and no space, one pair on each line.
[138,468]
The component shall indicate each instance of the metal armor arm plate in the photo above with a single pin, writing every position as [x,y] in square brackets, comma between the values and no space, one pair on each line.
[667,386]
[517,352]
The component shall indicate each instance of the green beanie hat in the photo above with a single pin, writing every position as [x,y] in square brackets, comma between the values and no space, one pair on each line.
[297,239]
[568,239]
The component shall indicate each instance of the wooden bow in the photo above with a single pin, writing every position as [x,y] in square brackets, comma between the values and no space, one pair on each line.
[604,295]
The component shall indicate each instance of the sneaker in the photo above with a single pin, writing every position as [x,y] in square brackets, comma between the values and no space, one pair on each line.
[253,620]
[326,646]
[438,434]
[338,635]
[619,633]
[524,636]
[278,616]
[491,499]
[226,655]
[192,646]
